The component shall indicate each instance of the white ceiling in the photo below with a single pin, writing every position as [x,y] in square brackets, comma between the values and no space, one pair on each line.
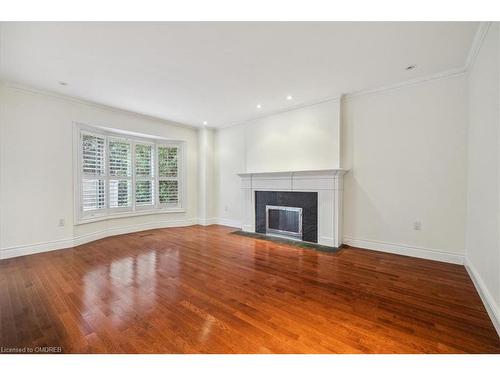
[219,72]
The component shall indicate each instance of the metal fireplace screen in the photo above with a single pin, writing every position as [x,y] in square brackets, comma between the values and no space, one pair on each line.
[284,221]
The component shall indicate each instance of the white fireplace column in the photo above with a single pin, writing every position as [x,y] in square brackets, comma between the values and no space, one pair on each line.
[327,183]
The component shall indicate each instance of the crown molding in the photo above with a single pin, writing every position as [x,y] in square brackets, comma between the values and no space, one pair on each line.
[477,43]
[347,96]
[408,83]
[89,103]
[335,98]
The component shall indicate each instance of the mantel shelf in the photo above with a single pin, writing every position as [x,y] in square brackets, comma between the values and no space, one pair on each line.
[325,172]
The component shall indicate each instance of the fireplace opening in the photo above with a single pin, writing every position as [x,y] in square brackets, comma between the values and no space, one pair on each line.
[305,200]
[284,221]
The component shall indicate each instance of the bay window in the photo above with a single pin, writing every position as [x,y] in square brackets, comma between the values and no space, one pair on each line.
[120,175]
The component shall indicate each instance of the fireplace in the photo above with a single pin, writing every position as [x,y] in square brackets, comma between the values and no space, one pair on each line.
[291,214]
[284,221]
[317,192]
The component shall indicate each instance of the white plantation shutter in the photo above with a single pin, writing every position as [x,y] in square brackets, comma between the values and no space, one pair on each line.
[120,175]
[168,175]
[144,175]
[93,164]
[93,194]
[93,161]
[120,158]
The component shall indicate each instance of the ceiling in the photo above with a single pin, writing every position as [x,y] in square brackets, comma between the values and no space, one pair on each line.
[218,72]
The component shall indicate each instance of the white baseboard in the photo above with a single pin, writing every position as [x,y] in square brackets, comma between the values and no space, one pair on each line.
[206,222]
[16,251]
[412,251]
[41,247]
[326,241]
[228,222]
[220,221]
[488,300]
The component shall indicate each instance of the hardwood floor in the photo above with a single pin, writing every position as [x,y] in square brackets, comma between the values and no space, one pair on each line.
[205,290]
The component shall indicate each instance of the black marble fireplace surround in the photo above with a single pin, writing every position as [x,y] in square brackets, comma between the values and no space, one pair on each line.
[308,201]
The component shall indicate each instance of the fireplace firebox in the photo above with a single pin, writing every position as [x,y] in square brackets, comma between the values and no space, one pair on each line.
[291,214]
[284,221]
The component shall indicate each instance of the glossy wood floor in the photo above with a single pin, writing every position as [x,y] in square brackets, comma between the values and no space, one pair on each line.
[205,290]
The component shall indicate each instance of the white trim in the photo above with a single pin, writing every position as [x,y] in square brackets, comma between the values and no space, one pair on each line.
[143,212]
[206,222]
[488,301]
[73,99]
[346,96]
[327,241]
[229,222]
[303,174]
[412,251]
[411,82]
[220,221]
[327,183]
[15,251]
[335,98]
[42,247]
[477,43]
[471,57]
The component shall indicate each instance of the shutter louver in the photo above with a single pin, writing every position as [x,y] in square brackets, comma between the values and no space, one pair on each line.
[93,155]
[169,192]
[168,175]
[143,160]
[144,193]
[120,171]
[144,186]
[167,159]
[93,195]
[119,158]
[93,170]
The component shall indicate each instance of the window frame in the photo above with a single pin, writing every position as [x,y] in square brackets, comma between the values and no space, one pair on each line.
[81,217]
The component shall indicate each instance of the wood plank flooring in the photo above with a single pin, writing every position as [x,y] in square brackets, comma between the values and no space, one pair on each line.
[204,290]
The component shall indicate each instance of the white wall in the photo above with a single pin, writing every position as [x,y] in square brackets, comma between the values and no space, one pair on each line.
[300,139]
[205,175]
[406,151]
[36,170]
[483,224]
[230,159]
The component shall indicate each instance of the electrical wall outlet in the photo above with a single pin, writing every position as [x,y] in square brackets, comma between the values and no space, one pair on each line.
[417,225]
[61,222]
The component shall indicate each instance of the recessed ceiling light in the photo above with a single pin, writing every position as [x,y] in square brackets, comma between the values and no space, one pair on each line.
[205,123]
[62,83]
[259,106]
[289,97]
[411,67]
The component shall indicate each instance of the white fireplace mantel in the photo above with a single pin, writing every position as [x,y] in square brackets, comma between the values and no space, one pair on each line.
[328,183]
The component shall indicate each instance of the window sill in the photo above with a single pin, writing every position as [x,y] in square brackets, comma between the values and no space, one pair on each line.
[128,214]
